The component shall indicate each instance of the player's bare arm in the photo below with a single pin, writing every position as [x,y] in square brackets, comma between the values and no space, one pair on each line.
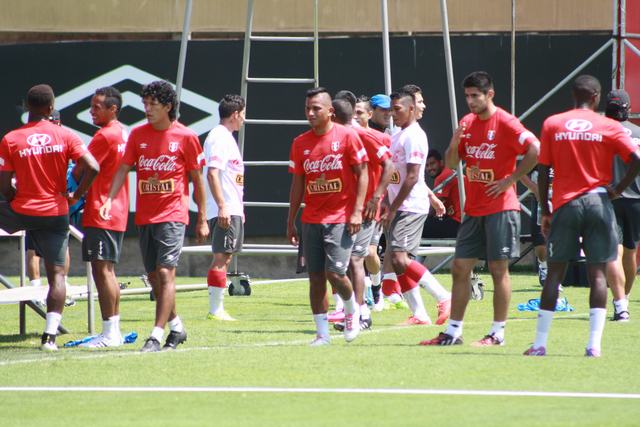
[451,156]
[372,205]
[202,228]
[215,186]
[529,160]
[118,180]
[355,221]
[90,168]
[6,189]
[436,204]
[531,186]
[295,200]
[413,172]
[632,171]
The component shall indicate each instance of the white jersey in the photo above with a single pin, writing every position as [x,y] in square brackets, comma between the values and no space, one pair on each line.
[221,152]
[410,145]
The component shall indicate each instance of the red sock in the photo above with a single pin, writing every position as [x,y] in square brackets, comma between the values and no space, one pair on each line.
[390,287]
[415,271]
[217,278]
[406,283]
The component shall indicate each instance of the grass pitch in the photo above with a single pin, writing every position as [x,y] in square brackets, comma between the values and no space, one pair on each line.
[260,371]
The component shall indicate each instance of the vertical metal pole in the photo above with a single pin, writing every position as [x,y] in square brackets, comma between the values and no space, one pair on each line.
[316,45]
[513,57]
[23,281]
[614,37]
[621,46]
[91,305]
[452,90]
[245,68]
[385,47]
[186,35]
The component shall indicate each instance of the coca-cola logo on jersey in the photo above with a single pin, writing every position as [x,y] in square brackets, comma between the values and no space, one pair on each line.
[330,162]
[38,140]
[482,151]
[163,163]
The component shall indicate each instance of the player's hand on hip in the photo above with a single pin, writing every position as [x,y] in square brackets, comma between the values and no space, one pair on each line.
[292,234]
[495,188]
[105,210]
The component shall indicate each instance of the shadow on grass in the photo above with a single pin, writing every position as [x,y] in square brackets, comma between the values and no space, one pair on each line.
[18,338]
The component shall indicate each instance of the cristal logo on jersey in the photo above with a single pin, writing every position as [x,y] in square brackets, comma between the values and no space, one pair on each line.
[239,180]
[491,134]
[173,146]
[475,174]
[395,177]
[482,151]
[578,125]
[330,162]
[322,185]
[38,140]
[155,185]
[162,163]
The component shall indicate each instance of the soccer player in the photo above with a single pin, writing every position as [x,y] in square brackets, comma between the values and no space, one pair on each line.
[488,140]
[576,144]
[626,208]
[329,170]
[166,153]
[406,209]
[447,226]
[379,170]
[38,154]
[102,243]
[224,170]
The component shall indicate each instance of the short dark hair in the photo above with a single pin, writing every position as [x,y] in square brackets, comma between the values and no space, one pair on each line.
[347,95]
[411,88]
[317,91]
[39,97]
[342,110]
[584,88]
[229,104]
[112,97]
[435,154]
[164,93]
[403,94]
[481,80]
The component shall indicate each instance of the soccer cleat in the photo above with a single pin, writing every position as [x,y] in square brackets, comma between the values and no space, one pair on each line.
[444,311]
[591,352]
[623,316]
[364,324]
[380,305]
[102,341]
[174,339]
[221,315]
[150,345]
[535,351]
[69,302]
[336,316]
[487,341]
[48,342]
[320,341]
[443,339]
[413,321]
[542,275]
[400,305]
[351,328]
[369,296]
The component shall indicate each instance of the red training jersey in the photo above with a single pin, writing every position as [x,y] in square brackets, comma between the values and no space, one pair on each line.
[580,146]
[107,146]
[489,148]
[163,161]
[39,154]
[377,152]
[449,194]
[325,162]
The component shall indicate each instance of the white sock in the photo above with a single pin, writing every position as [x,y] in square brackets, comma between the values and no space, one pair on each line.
[542,328]
[115,325]
[365,313]
[542,264]
[35,282]
[107,327]
[176,324]
[435,289]
[454,328]
[339,303]
[157,333]
[394,298]
[414,299]
[497,330]
[597,317]
[52,323]
[621,305]
[367,282]
[322,324]
[216,299]
[351,306]
[375,278]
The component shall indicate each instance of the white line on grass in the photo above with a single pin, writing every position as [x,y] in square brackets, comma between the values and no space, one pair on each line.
[283,390]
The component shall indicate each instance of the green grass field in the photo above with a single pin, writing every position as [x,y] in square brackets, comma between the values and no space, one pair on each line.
[267,348]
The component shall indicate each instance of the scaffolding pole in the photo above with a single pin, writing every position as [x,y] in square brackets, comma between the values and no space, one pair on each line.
[386,57]
[183,53]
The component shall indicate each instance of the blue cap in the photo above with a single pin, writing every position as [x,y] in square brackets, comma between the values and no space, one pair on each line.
[380,100]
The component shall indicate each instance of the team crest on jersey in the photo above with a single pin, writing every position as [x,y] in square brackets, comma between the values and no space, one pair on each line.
[491,134]
[143,145]
[335,145]
[173,146]
[306,152]
[475,174]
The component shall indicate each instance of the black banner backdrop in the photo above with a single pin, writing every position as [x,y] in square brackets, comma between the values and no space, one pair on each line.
[213,69]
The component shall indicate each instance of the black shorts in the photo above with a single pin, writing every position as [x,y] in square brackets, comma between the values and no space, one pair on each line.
[227,241]
[101,245]
[491,237]
[628,218]
[536,233]
[161,244]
